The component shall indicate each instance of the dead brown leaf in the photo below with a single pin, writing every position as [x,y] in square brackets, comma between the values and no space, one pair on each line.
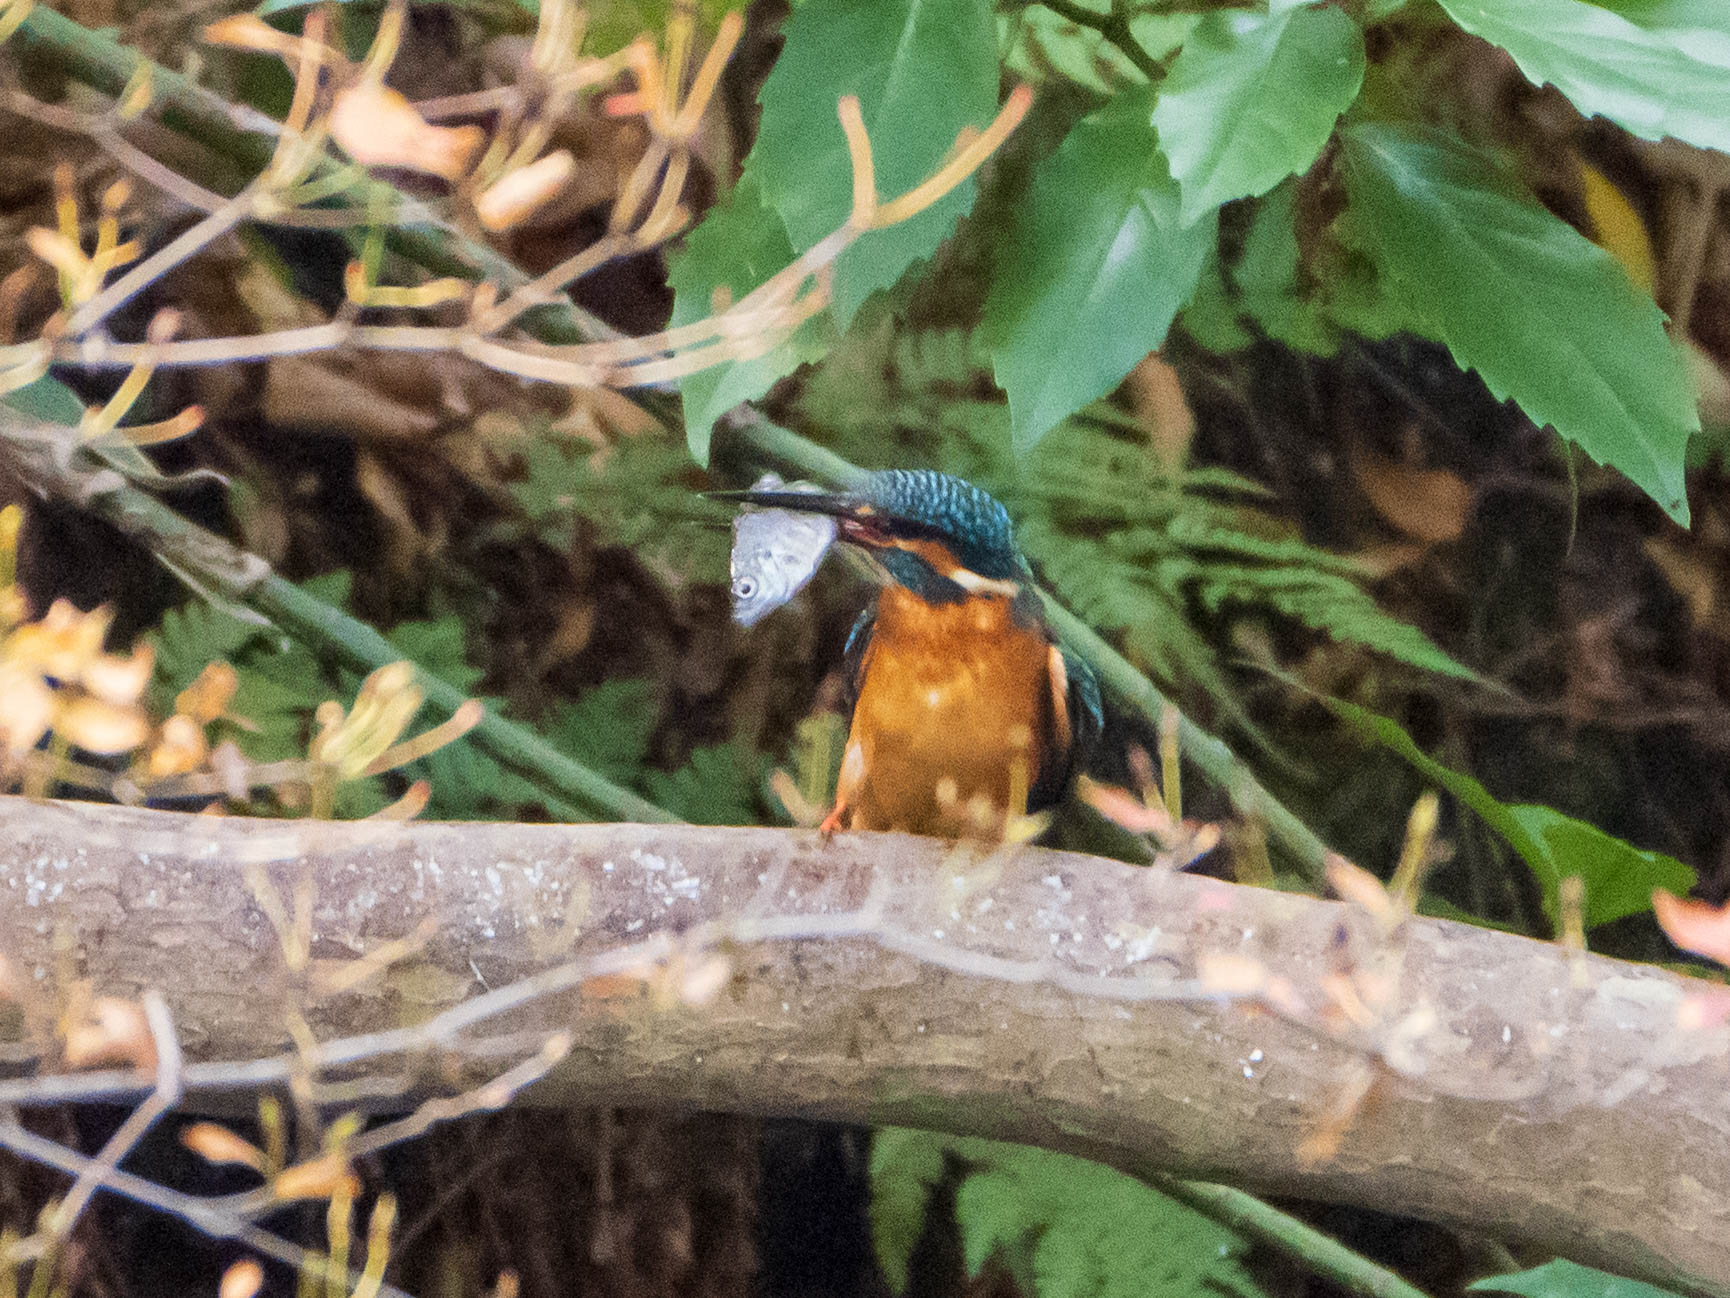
[1431,505]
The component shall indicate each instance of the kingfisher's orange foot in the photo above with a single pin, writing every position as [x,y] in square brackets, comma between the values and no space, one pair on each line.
[832,822]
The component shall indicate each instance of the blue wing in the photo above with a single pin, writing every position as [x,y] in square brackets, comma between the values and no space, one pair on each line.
[853,653]
[1079,713]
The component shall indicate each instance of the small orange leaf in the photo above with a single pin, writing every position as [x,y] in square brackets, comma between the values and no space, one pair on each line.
[100,727]
[180,747]
[63,642]
[1123,808]
[118,680]
[26,707]
[115,1032]
[1694,925]
[1617,227]
[208,697]
[1429,504]
[215,1143]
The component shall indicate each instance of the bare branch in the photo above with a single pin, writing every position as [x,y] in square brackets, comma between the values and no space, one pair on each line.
[1155,1021]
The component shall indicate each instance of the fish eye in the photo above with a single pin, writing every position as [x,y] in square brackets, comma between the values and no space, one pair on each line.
[744,588]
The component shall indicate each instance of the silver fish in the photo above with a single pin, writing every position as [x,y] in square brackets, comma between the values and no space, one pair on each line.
[775,552]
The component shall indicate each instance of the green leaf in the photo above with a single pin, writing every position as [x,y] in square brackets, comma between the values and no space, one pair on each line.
[1267,276]
[608,728]
[923,70]
[1662,69]
[905,1165]
[1253,98]
[1093,1232]
[49,400]
[1094,270]
[717,787]
[1618,877]
[1544,315]
[740,244]
[1564,1279]
[1041,43]
[439,649]
[1211,316]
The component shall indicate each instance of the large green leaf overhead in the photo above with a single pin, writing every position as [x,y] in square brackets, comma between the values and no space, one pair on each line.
[1253,98]
[1097,264]
[1657,68]
[1544,315]
[923,70]
[740,244]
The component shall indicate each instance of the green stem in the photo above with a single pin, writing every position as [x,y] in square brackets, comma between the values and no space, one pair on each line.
[1253,1219]
[213,565]
[514,746]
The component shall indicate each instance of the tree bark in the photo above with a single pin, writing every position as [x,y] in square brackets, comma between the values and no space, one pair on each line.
[1155,1021]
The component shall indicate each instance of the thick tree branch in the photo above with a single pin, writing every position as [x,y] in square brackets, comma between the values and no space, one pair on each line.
[1155,1021]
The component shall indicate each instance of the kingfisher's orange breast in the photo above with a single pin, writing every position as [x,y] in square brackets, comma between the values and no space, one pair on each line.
[954,706]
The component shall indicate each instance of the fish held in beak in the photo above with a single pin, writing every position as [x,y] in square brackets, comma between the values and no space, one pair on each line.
[776,551]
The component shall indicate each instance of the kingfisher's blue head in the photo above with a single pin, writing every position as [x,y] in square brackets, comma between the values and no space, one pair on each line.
[939,536]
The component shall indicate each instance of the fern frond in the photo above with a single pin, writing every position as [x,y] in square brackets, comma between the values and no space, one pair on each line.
[1331,604]
[640,494]
[1066,1228]
[718,786]
[192,636]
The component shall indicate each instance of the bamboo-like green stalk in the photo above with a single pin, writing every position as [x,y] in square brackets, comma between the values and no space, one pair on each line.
[35,451]
[1265,1224]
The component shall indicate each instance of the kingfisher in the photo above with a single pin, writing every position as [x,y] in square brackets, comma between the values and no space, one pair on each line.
[966,711]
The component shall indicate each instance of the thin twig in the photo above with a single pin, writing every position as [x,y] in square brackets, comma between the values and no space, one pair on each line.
[487,1098]
[1114,26]
[163,1097]
[201,1214]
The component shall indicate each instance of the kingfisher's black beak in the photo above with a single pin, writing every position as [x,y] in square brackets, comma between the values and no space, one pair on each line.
[834,503]
[860,522]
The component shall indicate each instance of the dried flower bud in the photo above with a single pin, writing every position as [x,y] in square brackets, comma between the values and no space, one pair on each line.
[242,1280]
[114,1032]
[377,126]
[514,196]
[215,1143]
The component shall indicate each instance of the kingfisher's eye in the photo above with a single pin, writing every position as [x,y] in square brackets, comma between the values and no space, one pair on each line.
[744,588]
